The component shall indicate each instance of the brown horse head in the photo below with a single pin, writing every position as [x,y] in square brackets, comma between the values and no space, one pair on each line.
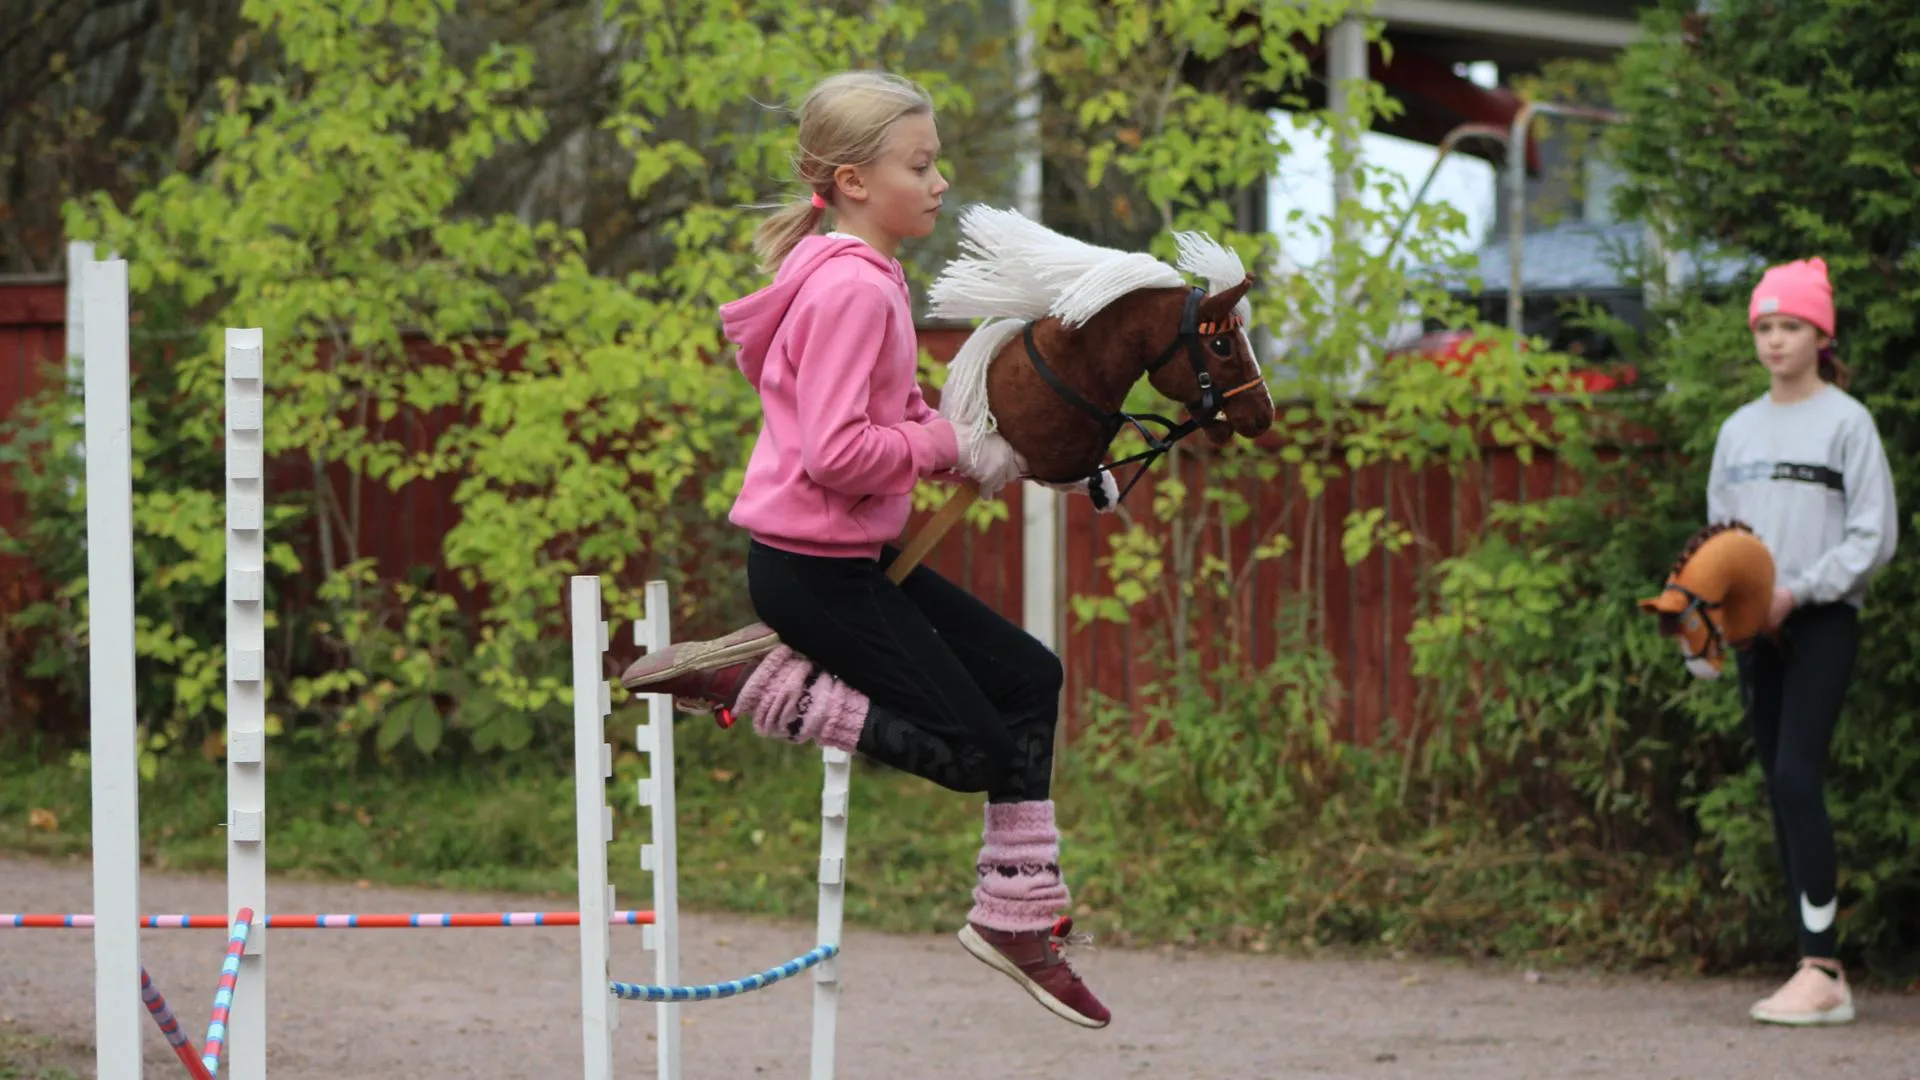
[1076,327]
[1230,363]
[1149,332]
[1717,596]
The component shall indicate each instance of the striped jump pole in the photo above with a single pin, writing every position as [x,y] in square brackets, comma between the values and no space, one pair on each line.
[223,996]
[169,1027]
[730,988]
[230,968]
[460,920]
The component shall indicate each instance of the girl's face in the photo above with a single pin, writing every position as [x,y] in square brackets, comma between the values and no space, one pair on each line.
[898,194]
[1788,348]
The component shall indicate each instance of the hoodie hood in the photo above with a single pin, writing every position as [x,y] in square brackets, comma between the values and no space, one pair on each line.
[753,321]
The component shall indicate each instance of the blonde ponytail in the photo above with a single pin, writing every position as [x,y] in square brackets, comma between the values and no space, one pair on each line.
[783,230]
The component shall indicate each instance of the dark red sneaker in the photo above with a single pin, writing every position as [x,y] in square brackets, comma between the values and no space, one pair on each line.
[1036,959]
[703,676]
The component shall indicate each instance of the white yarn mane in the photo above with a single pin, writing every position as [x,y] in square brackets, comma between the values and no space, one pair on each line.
[1013,270]
[963,400]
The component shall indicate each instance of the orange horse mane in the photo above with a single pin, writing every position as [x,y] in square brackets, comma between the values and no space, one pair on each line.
[1699,540]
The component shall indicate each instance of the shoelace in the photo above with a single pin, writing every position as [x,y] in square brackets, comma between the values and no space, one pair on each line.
[722,715]
[1062,936]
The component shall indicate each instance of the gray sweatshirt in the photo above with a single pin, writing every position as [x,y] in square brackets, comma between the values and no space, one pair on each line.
[1812,480]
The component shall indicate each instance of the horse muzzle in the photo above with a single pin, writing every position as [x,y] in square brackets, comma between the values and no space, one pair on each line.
[1248,409]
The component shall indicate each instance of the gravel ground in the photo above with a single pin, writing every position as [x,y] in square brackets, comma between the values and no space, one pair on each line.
[481,1004]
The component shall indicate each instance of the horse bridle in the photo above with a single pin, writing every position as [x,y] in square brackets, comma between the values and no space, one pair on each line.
[1192,334]
[1696,602]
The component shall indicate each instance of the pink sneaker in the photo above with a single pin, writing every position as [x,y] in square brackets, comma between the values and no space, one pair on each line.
[1817,994]
[1036,959]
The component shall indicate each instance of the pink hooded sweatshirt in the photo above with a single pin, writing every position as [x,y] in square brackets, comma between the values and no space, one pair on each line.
[846,434]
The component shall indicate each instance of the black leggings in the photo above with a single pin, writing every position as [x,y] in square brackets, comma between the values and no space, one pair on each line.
[957,694]
[1792,694]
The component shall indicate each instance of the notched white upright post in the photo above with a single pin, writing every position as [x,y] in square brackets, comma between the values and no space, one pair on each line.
[834,796]
[247,694]
[79,256]
[592,766]
[654,738]
[115,749]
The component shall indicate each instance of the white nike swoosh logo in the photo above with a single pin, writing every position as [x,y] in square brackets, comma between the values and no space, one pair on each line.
[1817,919]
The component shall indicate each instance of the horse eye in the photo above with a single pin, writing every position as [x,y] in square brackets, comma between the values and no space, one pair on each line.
[1222,346]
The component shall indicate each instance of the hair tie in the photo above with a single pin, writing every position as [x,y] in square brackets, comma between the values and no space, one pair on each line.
[819,201]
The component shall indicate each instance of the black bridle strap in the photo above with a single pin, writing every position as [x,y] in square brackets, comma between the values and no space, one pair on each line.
[1706,607]
[1110,422]
[1189,335]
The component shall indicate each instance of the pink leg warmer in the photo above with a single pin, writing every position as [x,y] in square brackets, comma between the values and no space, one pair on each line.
[792,700]
[1020,884]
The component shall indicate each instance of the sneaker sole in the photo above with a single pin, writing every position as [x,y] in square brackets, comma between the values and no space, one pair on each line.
[993,958]
[719,657]
[1840,1015]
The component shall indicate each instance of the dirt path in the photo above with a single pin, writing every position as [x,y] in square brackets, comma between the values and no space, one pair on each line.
[480,1004]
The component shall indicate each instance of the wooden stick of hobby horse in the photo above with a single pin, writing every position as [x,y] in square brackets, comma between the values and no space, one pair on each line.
[943,519]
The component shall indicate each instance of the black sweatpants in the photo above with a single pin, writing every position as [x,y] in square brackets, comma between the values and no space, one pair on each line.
[1792,694]
[957,694]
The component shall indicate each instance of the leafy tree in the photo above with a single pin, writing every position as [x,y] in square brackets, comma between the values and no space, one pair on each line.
[1176,152]
[321,218]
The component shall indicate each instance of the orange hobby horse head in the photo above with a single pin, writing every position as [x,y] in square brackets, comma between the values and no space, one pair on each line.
[1716,597]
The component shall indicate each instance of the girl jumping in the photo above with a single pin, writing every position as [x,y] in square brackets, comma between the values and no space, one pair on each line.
[920,676]
[1804,466]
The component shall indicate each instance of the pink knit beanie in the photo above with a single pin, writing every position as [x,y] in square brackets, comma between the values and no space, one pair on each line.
[1799,289]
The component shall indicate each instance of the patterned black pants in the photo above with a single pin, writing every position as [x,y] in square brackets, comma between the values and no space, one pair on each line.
[958,694]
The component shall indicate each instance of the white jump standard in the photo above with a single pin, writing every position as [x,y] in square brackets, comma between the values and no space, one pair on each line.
[593,763]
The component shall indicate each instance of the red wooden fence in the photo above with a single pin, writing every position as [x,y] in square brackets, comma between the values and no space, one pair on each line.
[33,333]
[1361,614]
